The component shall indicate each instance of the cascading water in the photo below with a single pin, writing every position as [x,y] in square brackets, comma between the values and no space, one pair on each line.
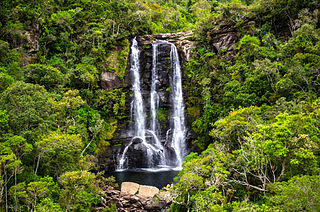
[138,107]
[154,97]
[179,128]
[151,138]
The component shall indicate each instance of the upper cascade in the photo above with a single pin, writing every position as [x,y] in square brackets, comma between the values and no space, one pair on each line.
[157,150]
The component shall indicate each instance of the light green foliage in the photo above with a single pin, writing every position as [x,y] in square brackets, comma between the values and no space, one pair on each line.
[236,126]
[254,152]
[85,76]
[48,205]
[298,194]
[12,151]
[59,151]
[5,81]
[30,195]
[8,163]
[66,108]
[208,200]
[79,190]
[207,172]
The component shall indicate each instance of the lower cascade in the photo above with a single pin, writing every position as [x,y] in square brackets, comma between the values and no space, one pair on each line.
[161,148]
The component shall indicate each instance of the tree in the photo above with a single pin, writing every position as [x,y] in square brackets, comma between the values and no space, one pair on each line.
[66,109]
[59,151]
[19,147]
[29,109]
[29,195]
[48,76]
[301,193]
[79,191]
[8,163]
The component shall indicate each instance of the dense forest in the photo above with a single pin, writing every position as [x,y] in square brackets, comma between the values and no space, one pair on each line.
[255,105]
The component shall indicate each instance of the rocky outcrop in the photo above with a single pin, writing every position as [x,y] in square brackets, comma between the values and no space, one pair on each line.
[33,41]
[110,81]
[225,36]
[183,41]
[135,197]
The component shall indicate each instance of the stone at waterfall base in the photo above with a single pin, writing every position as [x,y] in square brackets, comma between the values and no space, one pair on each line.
[147,191]
[135,197]
[129,188]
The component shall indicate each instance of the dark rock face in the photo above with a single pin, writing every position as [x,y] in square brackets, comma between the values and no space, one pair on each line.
[226,35]
[224,38]
[136,151]
[110,81]
[107,159]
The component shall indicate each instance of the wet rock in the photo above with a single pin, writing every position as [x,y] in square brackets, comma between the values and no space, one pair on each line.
[171,155]
[136,156]
[136,140]
[110,81]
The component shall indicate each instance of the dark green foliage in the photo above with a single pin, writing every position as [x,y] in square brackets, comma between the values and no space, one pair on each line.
[48,76]
[29,109]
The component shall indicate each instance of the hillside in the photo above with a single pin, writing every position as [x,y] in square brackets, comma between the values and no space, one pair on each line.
[251,90]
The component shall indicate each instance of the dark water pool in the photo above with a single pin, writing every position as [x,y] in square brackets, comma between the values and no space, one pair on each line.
[158,179]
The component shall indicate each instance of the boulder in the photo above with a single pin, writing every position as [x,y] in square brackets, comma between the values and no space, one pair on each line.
[135,197]
[129,188]
[110,81]
[147,191]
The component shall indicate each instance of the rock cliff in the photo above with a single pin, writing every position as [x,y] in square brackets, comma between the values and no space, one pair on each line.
[185,45]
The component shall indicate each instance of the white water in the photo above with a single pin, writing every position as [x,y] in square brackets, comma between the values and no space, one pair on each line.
[154,97]
[179,128]
[139,116]
[154,146]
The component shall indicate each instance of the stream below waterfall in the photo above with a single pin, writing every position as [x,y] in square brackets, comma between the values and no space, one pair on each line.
[158,178]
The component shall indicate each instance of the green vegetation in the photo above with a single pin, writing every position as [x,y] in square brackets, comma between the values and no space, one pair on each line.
[257,118]
[254,105]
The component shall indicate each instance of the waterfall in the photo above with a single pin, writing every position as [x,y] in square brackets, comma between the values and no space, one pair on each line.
[137,104]
[154,97]
[150,138]
[179,129]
